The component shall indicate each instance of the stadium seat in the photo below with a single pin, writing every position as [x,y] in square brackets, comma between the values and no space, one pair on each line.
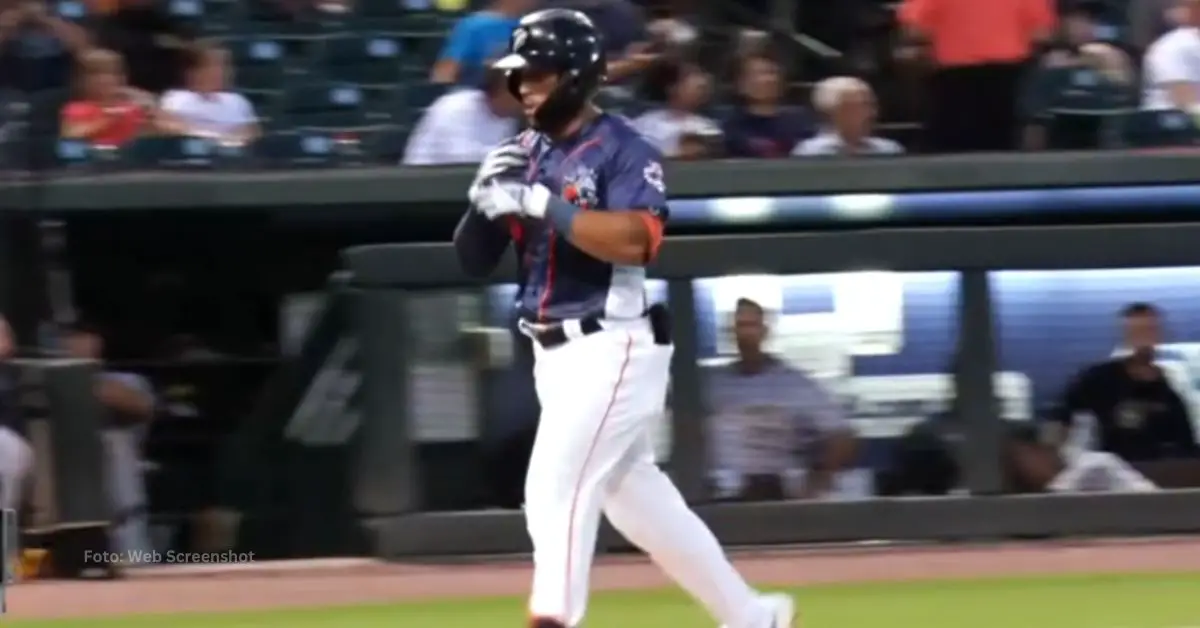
[298,149]
[380,14]
[180,153]
[259,63]
[72,10]
[421,50]
[267,103]
[1148,129]
[368,59]
[386,145]
[326,105]
[187,13]
[418,96]
[73,154]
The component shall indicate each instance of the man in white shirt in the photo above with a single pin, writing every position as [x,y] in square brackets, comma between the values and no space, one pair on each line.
[464,124]
[847,106]
[206,108]
[1171,67]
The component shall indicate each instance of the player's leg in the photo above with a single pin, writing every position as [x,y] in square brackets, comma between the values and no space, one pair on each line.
[16,460]
[643,504]
[586,388]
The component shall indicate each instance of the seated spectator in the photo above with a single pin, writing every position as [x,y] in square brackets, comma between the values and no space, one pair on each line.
[684,90]
[36,47]
[105,111]
[1081,122]
[847,108]
[464,124]
[129,403]
[761,125]
[206,107]
[1170,75]
[776,432]
[1132,409]
[476,38]
[154,45]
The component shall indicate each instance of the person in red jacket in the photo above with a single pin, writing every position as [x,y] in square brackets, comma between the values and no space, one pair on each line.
[105,111]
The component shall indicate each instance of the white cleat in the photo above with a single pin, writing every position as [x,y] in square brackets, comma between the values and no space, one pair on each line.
[783,608]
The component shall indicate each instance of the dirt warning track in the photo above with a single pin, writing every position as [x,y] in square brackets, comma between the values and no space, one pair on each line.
[337,582]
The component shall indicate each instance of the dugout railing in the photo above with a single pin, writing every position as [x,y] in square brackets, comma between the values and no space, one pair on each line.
[387,478]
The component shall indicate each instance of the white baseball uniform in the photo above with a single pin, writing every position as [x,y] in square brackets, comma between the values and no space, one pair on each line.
[601,376]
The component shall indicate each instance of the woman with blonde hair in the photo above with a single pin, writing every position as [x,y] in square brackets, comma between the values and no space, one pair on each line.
[105,109]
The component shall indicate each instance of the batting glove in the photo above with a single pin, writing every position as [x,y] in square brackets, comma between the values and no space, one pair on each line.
[509,160]
[501,197]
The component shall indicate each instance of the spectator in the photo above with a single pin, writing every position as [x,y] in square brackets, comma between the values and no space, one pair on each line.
[776,433]
[978,50]
[155,46]
[206,107]
[1170,74]
[679,129]
[847,109]
[105,110]
[129,402]
[1135,412]
[761,125]
[464,124]
[1078,46]
[476,38]
[36,47]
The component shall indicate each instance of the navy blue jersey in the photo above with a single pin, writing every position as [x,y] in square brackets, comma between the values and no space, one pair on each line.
[607,166]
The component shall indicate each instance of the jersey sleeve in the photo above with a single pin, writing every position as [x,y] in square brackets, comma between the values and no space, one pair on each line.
[636,183]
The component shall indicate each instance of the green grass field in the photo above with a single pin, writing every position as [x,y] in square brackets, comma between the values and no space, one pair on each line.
[1153,601]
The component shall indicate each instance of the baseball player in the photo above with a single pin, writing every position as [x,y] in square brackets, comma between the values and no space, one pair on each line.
[581,196]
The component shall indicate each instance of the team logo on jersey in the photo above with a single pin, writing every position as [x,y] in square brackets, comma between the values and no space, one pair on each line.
[579,187]
[653,174]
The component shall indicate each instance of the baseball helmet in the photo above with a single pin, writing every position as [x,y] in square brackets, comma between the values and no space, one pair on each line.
[564,43]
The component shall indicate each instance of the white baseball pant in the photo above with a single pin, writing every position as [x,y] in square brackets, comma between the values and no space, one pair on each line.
[16,460]
[600,395]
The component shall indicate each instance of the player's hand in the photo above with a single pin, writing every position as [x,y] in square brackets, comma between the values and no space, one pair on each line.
[509,159]
[504,197]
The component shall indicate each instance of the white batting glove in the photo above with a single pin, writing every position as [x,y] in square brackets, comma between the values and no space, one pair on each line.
[500,197]
[509,159]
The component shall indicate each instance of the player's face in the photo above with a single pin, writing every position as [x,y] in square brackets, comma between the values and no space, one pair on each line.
[1142,333]
[536,86]
[749,329]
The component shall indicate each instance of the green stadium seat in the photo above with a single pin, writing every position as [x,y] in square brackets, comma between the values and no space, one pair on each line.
[259,63]
[298,149]
[367,59]
[386,144]
[190,153]
[1150,129]
[326,105]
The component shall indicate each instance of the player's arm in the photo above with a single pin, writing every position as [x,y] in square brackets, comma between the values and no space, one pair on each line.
[631,231]
[479,243]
